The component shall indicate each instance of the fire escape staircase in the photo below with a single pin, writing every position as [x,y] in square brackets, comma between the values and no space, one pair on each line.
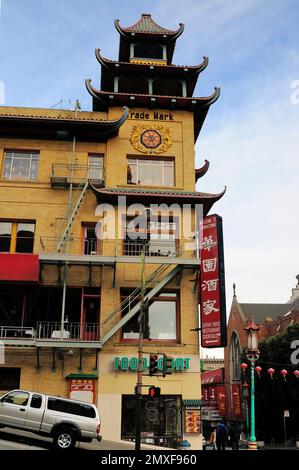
[81,190]
[153,285]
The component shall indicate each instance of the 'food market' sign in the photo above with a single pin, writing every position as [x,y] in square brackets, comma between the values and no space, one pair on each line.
[131,363]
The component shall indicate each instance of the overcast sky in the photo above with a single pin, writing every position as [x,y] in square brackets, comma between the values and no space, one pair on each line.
[250,135]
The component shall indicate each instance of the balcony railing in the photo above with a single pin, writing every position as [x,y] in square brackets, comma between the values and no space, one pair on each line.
[64,174]
[52,331]
[96,247]
[15,332]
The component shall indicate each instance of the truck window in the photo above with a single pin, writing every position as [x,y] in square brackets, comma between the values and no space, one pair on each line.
[36,401]
[16,398]
[64,406]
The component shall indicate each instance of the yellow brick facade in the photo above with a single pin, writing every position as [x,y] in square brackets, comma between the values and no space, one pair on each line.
[38,201]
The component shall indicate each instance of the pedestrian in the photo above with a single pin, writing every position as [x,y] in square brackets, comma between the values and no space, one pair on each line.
[212,440]
[234,435]
[221,435]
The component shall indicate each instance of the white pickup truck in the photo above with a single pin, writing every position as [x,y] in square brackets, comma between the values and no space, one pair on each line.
[65,421]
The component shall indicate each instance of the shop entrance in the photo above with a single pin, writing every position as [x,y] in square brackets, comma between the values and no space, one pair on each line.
[161,422]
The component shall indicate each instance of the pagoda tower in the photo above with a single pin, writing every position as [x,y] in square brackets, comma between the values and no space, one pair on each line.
[144,78]
[144,75]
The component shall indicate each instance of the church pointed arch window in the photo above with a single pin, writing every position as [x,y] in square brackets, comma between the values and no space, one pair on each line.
[235,358]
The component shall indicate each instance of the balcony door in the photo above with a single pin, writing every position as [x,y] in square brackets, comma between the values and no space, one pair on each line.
[90,317]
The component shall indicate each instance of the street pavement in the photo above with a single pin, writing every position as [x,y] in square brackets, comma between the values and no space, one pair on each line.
[21,440]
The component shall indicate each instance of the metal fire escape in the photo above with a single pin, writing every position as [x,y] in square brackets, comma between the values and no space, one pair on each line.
[131,305]
[81,190]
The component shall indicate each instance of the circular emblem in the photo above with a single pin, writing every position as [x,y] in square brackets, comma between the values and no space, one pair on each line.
[151,139]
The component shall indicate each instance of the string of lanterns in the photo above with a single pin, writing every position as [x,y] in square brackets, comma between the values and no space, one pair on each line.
[270,371]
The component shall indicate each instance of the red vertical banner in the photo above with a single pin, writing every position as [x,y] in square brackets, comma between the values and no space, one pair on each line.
[221,399]
[212,283]
[236,401]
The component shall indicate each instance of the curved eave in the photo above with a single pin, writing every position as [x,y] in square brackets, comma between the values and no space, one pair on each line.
[139,67]
[149,197]
[127,32]
[200,172]
[50,128]
[187,101]
[201,113]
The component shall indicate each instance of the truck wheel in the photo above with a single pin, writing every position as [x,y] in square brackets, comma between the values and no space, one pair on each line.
[64,439]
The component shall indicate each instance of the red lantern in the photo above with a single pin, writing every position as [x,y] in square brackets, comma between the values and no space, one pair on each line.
[271,372]
[284,373]
[258,370]
[296,373]
[243,367]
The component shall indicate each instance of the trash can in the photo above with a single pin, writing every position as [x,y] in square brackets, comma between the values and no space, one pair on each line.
[184,445]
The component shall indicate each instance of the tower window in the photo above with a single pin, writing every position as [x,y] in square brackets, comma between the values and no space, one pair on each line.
[148,50]
[150,172]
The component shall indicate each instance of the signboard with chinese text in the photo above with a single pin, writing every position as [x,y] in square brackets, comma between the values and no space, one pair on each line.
[82,389]
[192,421]
[221,399]
[236,401]
[212,283]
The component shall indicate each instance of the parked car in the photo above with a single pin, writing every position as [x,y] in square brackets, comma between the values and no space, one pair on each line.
[65,421]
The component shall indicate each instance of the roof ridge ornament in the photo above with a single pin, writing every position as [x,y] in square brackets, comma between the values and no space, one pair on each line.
[146,25]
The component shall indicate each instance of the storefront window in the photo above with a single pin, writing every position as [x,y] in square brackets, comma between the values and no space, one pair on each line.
[160,422]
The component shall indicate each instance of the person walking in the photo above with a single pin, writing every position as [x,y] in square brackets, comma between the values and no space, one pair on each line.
[221,435]
[212,440]
[234,435]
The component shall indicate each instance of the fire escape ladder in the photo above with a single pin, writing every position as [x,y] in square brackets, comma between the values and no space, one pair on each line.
[71,219]
[154,283]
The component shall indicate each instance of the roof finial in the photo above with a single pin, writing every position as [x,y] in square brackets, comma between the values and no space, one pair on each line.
[234,289]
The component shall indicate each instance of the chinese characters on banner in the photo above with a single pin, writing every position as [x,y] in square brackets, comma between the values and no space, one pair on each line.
[192,421]
[221,399]
[82,389]
[236,401]
[212,283]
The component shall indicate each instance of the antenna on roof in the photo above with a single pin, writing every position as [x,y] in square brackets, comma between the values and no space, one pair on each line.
[56,104]
[77,106]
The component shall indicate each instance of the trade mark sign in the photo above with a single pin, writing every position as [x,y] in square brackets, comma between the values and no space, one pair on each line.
[212,283]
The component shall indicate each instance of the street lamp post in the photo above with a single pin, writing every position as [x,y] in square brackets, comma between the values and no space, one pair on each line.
[252,354]
[245,393]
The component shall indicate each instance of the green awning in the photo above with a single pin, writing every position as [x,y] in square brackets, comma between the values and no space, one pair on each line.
[192,402]
[82,376]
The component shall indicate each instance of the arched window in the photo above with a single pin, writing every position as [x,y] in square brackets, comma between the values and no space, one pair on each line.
[235,357]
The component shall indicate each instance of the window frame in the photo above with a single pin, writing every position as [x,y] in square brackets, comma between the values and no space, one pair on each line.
[14,235]
[172,220]
[32,153]
[84,227]
[90,156]
[165,298]
[139,158]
